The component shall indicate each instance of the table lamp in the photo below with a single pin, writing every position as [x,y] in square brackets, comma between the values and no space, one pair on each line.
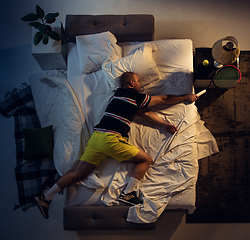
[225,51]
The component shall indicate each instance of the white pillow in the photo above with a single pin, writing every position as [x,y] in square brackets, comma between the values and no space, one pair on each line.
[173,55]
[93,49]
[174,59]
[140,62]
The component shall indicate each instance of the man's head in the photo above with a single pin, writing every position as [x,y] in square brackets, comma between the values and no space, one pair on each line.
[130,80]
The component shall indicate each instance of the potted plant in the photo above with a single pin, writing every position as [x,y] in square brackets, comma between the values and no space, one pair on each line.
[40,21]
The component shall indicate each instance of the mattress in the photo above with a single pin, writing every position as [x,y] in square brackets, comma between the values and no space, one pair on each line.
[170,183]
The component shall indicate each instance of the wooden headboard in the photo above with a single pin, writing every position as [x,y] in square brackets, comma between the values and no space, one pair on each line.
[137,27]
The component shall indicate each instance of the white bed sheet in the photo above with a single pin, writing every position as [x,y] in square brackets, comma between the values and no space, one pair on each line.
[171,180]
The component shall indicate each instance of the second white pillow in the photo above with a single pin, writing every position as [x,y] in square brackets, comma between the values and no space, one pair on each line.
[93,49]
[141,62]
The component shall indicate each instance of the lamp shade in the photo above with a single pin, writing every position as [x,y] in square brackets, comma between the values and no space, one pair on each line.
[227,53]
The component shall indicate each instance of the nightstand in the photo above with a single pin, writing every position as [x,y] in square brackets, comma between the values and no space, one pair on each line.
[203,75]
[53,55]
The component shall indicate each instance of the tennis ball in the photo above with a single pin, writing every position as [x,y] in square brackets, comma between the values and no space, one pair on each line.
[205,63]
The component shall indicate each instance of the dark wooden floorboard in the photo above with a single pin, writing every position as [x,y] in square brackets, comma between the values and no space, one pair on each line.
[223,187]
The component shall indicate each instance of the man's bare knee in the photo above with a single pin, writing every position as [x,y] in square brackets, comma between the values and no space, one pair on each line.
[150,160]
[142,157]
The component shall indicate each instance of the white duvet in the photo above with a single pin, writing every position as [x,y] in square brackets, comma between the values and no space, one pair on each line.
[57,105]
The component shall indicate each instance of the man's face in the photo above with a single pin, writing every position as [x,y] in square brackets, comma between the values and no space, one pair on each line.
[137,84]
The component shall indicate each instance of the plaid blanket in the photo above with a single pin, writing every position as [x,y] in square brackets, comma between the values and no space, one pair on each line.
[32,177]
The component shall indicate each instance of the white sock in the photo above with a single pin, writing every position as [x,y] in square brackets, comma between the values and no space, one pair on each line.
[132,184]
[52,192]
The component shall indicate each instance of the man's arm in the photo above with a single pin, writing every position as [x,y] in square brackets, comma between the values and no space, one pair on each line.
[171,99]
[152,117]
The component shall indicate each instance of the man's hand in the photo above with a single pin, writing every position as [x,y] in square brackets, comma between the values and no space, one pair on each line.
[170,128]
[152,117]
[192,97]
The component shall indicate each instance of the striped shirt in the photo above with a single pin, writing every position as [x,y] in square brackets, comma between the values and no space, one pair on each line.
[121,111]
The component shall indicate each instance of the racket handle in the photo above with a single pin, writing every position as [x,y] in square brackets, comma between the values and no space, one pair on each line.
[201,92]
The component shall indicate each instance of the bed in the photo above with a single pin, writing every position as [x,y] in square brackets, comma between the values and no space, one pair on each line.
[100,48]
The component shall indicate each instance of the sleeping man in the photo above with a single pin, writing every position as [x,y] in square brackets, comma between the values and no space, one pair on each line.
[110,139]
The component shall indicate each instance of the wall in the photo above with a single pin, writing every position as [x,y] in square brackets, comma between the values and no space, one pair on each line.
[202,21]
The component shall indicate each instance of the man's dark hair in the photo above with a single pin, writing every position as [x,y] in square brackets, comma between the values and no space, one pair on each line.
[126,78]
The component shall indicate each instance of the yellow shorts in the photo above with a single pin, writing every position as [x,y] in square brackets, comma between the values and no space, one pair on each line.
[102,145]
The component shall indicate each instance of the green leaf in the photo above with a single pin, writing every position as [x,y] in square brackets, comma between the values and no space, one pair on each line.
[30,17]
[49,29]
[51,20]
[45,39]
[36,25]
[51,16]
[39,12]
[43,29]
[38,37]
[54,35]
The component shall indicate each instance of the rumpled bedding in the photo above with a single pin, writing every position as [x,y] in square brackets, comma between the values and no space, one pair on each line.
[175,156]
[175,165]
[74,105]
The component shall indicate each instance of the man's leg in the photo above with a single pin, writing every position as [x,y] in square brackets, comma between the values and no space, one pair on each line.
[142,162]
[82,170]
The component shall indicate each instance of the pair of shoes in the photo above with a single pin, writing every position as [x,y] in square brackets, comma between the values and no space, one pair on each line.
[130,198]
[43,205]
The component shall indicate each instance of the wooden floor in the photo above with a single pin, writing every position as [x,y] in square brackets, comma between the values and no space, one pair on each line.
[223,187]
